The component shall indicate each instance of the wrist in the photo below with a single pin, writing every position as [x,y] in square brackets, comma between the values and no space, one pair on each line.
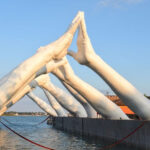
[92,59]
[69,78]
[72,81]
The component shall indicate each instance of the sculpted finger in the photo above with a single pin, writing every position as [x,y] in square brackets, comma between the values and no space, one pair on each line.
[82,28]
[75,23]
[59,72]
[71,53]
[60,63]
[54,64]
[60,55]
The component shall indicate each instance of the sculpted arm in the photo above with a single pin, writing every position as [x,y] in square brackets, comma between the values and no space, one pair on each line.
[98,101]
[89,109]
[58,108]
[23,92]
[136,101]
[25,89]
[66,100]
[43,105]
[15,99]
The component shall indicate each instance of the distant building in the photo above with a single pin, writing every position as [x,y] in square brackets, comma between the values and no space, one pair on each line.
[119,102]
[125,109]
[115,99]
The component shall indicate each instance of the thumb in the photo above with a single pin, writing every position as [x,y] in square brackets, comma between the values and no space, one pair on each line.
[54,64]
[60,63]
[71,53]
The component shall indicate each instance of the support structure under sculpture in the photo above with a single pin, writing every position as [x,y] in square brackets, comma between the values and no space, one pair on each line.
[66,100]
[29,69]
[61,112]
[43,105]
[98,101]
[131,97]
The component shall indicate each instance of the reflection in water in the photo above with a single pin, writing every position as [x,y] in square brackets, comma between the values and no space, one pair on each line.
[5,138]
[45,135]
[3,135]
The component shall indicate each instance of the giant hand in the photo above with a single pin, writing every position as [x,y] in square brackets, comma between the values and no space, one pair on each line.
[85,49]
[26,71]
[135,100]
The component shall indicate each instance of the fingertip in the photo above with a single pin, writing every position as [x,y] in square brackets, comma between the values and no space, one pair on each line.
[83,27]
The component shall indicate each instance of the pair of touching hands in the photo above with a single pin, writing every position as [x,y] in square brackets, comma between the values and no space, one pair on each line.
[59,64]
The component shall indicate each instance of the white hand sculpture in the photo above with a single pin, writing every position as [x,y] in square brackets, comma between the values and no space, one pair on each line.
[126,91]
[85,49]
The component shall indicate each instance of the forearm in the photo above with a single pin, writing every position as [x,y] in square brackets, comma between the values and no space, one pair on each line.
[43,105]
[58,108]
[14,99]
[19,76]
[110,76]
[89,109]
[18,95]
[66,100]
[24,71]
[124,89]
[44,70]
[86,90]
[99,102]
[74,93]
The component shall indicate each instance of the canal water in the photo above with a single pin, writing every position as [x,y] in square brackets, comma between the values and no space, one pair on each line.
[43,134]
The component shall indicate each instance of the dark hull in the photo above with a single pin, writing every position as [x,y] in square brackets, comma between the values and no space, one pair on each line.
[107,130]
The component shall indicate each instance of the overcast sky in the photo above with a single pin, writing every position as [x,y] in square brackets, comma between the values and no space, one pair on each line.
[119,31]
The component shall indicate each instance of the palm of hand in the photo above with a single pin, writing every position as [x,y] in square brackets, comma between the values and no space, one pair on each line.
[85,50]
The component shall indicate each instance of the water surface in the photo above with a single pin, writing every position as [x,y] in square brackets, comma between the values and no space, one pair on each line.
[43,134]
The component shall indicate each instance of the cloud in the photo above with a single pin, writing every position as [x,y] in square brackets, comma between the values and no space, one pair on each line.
[117,3]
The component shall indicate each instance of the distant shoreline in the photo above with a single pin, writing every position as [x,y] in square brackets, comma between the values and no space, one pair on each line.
[11,113]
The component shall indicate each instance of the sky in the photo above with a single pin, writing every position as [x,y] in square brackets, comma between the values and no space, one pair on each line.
[119,31]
